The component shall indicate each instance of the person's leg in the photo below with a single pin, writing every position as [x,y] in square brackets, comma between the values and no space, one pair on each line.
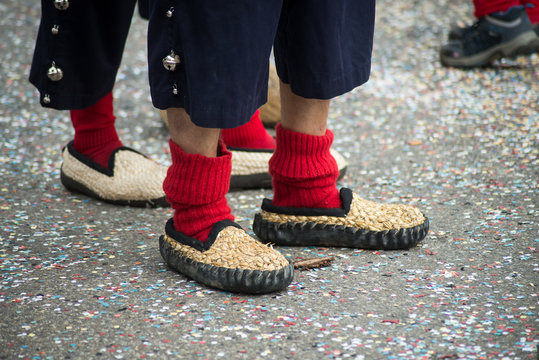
[77,55]
[299,114]
[83,42]
[198,178]
[201,240]
[307,209]
[209,80]
[252,147]
[95,133]
[78,51]
[304,171]
[191,138]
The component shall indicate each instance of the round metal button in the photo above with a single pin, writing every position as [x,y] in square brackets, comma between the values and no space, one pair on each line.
[170,61]
[61,4]
[55,73]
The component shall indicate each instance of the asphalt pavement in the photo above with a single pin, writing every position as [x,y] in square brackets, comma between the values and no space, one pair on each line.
[83,279]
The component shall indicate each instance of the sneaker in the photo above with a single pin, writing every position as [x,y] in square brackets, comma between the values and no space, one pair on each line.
[492,37]
[459,33]
[131,179]
[535,44]
[229,259]
[358,224]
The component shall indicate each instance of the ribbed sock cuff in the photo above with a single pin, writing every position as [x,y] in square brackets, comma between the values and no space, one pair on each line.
[195,187]
[303,170]
[533,13]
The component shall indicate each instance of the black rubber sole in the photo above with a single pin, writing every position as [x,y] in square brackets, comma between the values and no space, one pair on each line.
[314,234]
[233,280]
[75,186]
[254,181]
[260,181]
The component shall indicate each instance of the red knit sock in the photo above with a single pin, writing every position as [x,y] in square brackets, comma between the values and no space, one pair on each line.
[304,171]
[533,12]
[95,134]
[486,7]
[252,135]
[195,187]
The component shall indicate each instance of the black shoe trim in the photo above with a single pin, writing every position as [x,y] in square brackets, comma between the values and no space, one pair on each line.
[193,242]
[75,186]
[251,181]
[346,199]
[233,148]
[233,280]
[92,164]
[342,172]
[316,234]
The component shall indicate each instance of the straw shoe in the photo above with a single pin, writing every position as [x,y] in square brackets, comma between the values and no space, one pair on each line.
[229,259]
[131,178]
[358,224]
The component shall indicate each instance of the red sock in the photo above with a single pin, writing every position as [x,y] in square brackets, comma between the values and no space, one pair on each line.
[485,7]
[195,187]
[304,171]
[252,135]
[95,134]
[533,12]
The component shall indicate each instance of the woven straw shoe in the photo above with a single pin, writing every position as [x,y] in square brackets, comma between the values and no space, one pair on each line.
[229,259]
[134,179]
[359,224]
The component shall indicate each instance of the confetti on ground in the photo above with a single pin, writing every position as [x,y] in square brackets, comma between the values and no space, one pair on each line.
[84,279]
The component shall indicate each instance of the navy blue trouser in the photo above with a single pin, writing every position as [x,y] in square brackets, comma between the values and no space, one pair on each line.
[322,49]
[207,56]
[85,41]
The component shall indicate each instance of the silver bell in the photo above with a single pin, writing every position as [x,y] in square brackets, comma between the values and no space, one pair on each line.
[46,99]
[55,73]
[170,61]
[55,30]
[61,4]
[170,12]
[175,90]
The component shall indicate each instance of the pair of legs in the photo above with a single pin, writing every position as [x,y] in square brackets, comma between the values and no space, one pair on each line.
[205,93]
[308,116]
[299,115]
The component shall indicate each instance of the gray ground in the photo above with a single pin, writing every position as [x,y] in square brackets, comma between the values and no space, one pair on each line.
[84,279]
